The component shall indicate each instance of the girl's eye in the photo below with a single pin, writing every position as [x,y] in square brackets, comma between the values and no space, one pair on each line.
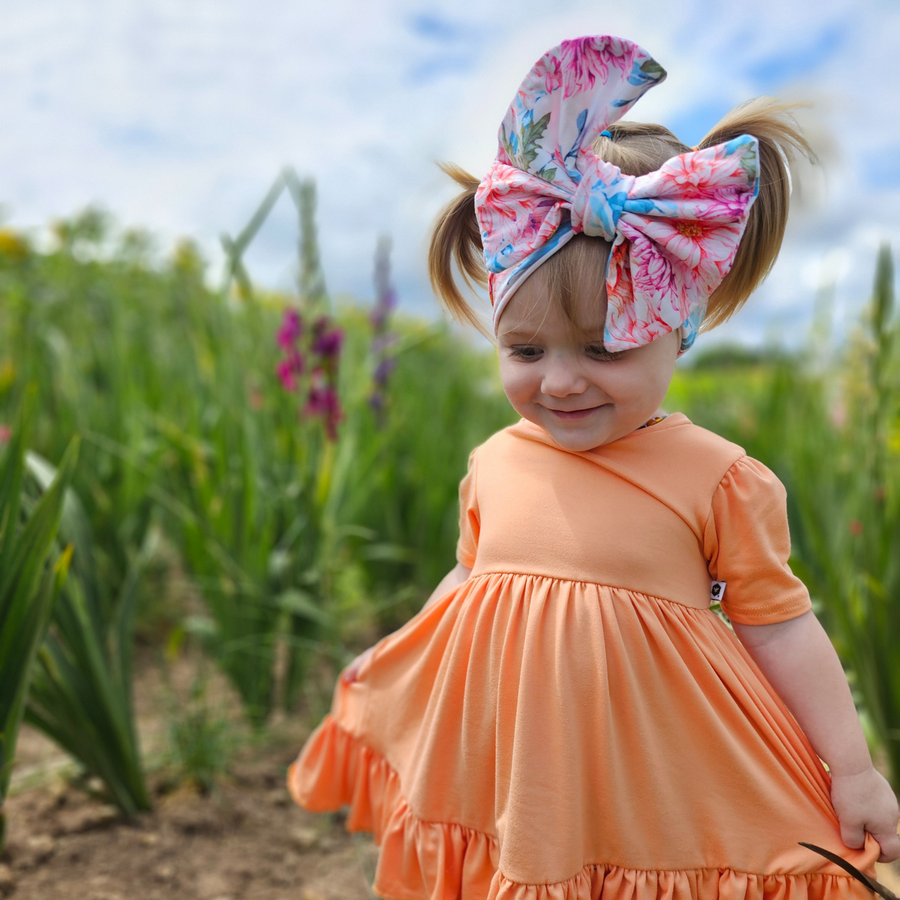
[600,352]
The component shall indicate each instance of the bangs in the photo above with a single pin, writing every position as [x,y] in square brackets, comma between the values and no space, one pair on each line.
[574,281]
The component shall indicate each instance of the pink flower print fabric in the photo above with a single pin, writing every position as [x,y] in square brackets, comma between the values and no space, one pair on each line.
[674,232]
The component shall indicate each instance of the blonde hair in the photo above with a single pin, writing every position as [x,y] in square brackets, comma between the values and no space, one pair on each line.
[637,149]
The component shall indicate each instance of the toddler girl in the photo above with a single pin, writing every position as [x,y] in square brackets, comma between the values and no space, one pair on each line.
[566,718]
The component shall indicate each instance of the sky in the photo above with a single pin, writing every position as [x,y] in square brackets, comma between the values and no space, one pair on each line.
[176,117]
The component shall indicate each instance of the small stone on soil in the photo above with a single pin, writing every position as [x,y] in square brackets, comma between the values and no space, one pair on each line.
[87,818]
[38,848]
[305,838]
[278,797]
[164,873]
[7,880]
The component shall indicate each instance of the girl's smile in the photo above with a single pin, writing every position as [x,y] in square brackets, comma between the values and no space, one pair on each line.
[574,413]
[559,375]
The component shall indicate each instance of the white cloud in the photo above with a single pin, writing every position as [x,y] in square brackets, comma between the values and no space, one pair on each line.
[178,116]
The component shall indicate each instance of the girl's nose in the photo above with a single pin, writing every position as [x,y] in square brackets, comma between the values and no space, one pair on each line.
[562,377]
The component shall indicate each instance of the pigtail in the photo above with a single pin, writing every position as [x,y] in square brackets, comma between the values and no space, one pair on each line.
[772,124]
[456,236]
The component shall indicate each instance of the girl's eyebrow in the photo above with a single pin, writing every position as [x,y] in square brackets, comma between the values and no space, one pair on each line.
[595,334]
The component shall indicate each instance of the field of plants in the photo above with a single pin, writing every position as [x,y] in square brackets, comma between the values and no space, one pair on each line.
[264,484]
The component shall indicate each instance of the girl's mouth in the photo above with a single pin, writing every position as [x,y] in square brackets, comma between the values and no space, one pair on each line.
[574,414]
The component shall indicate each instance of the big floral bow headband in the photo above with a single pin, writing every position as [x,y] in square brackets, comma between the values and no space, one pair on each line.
[674,232]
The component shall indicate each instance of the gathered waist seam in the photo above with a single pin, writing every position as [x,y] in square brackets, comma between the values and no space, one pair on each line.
[601,584]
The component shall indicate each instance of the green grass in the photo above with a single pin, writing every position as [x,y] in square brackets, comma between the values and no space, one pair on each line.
[315,547]
[31,578]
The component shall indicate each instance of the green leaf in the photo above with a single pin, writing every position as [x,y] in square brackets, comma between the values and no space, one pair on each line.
[531,134]
[652,67]
[302,603]
[750,161]
[201,627]
[387,552]
[507,145]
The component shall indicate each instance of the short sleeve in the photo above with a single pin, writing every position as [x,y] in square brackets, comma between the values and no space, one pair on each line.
[747,545]
[469,517]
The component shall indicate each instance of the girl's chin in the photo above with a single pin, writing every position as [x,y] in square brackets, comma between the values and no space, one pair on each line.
[577,437]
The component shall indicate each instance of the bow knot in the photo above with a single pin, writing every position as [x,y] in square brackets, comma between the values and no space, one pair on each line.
[599,200]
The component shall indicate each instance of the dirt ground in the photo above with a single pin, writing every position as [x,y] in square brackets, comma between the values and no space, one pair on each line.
[245,841]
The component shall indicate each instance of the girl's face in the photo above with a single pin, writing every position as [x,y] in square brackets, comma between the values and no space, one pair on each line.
[568,384]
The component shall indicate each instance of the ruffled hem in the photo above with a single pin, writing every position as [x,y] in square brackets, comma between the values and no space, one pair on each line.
[418,859]
[602,881]
[444,861]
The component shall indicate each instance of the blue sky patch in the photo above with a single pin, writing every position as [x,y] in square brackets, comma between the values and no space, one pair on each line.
[881,168]
[454,48]
[135,137]
[436,28]
[693,124]
[774,71]
[437,66]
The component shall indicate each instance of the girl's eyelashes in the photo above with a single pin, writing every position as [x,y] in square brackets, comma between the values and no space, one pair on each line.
[524,352]
[601,352]
[529,352]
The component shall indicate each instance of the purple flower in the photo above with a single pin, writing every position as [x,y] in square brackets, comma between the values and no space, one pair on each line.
[291,329]
[384,369]
[384,306]
[323,401]
[328,343]
[297,361]
[286,374]
[382,341]
[385,302]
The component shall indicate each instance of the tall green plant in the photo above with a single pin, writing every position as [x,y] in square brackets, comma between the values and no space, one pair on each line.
[849,539]
[269,490]
[267,513]
[28,587]
[105,341]
[81,694]
[256,487]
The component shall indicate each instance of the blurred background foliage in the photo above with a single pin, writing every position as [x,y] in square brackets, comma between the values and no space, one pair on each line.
[275,476]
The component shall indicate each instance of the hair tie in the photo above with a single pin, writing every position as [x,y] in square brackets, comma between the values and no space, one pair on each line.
[674,232]
[606,134]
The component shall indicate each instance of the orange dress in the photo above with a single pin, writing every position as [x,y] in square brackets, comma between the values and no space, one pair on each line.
[573,721]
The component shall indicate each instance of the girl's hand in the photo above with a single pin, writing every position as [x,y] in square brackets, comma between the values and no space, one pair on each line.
[865,802]
[351,673]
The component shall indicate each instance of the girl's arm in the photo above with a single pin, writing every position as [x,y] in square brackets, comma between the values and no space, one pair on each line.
[799,661]
[456,576]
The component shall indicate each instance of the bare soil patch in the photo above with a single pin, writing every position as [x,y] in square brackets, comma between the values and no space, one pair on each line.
[245,839]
